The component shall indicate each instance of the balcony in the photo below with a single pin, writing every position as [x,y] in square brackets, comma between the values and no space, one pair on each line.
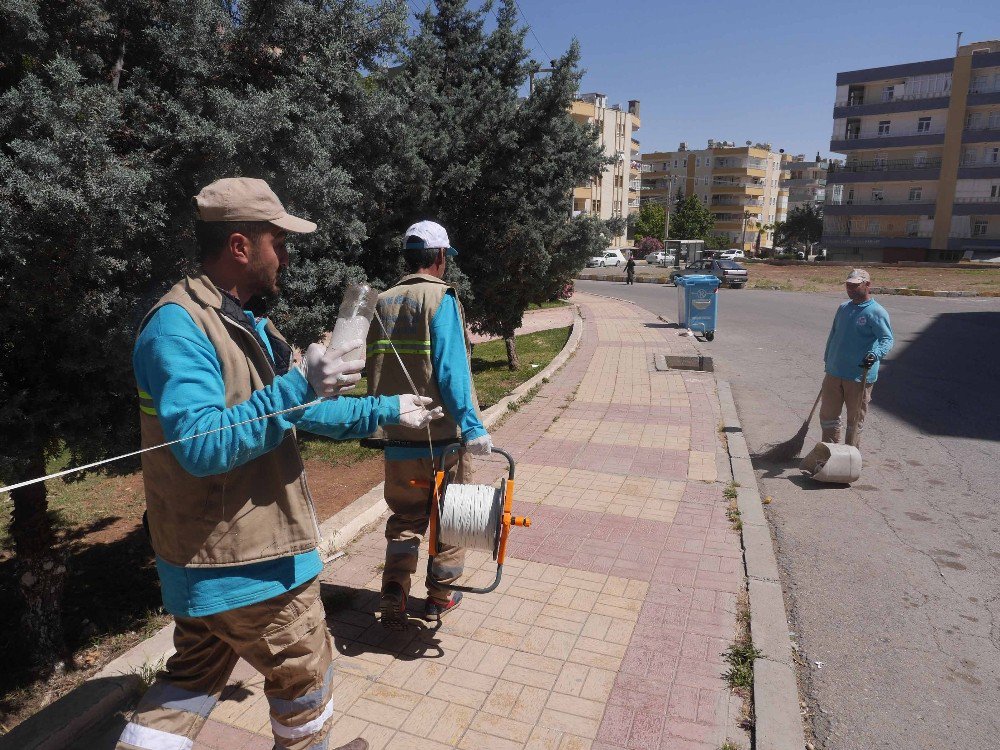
[879,170]
[868,133]
[879,202]
[905,103]
[844,139]
[855,101]
[968,205]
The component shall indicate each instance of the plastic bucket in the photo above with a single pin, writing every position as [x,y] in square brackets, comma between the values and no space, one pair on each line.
[833,462]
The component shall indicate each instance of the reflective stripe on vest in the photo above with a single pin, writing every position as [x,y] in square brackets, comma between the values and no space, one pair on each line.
[403,346]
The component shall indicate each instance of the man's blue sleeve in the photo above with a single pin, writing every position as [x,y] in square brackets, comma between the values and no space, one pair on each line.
[349,417]
[451,369]
[178,367]
[883,333]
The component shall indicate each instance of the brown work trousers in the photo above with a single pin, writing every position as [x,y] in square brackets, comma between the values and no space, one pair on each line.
[284,638]
[405,529]
[837,392]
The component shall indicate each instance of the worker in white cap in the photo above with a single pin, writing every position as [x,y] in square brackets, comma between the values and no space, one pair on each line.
[425,323]
[229,513]
[859,339]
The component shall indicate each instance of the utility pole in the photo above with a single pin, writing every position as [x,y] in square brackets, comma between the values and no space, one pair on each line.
[536,68]
[666,220]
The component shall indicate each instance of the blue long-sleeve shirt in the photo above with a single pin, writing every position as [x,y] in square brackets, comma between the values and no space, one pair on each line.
[450,363]
[177,365]
[857,330]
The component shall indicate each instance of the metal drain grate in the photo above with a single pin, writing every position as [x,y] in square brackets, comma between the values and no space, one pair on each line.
[683,362]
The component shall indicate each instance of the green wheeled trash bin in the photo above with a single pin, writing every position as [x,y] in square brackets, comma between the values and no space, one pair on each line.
[698,304]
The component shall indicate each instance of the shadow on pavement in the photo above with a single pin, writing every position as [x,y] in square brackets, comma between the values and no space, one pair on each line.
[351,617]
[944,380]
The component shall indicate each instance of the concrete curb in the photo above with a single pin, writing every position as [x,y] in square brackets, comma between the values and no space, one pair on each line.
[775,692]
[59,724]
[901,291]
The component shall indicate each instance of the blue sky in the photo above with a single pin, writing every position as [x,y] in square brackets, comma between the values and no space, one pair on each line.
[761,71]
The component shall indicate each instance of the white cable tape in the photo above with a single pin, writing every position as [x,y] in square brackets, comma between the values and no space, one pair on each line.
[470,516]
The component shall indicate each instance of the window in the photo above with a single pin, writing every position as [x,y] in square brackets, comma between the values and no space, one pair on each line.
[994,156]
[920,159]
[597,207]
[881,160]
[850,196]
[877,195]
[915,193]
[888,93]
[974,121]
[912,227]
[855,251]
[883,128]
[924,125]
[675,162]
[697,161]
[994,120]
[995,190]
[979,227]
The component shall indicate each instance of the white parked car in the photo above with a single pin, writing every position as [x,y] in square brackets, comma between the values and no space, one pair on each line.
[732,254]
[609,258]
[660,258]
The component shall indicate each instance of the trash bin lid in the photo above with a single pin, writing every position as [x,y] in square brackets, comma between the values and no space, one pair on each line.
[703,279]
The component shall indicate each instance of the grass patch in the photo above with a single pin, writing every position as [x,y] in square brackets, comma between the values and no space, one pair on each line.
[548,305]
[730,490]
[733,514]
[730,745]
[740,657]
[494,379]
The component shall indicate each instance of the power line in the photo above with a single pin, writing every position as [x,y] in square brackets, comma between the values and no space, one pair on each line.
[525,18]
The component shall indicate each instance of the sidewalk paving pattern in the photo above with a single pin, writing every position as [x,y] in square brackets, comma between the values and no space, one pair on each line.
[615,607]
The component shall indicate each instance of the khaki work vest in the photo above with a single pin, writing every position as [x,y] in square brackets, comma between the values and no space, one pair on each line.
[258,511]
[407,310]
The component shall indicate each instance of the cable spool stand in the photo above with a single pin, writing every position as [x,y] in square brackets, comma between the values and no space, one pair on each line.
[472,516]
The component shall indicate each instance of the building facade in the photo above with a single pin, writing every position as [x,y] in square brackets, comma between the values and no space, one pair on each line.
[740,185]
[615,194]
[805,180]
[921,178]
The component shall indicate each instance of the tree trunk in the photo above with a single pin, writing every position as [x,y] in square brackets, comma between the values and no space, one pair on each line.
[512,361]
[41,571]
[116,71]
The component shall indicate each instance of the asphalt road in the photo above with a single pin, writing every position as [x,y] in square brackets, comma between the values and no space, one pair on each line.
[891,584]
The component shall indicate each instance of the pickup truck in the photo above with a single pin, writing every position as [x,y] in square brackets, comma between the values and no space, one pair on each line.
[728,272]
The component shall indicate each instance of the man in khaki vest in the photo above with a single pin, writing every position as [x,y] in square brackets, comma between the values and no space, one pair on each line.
[424,331]
[229,511]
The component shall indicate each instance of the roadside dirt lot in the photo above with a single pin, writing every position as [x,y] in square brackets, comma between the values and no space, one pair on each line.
[818,278]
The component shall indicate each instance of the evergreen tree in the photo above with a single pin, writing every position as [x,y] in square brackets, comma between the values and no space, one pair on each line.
[690,220]
[496,170]
[113,114]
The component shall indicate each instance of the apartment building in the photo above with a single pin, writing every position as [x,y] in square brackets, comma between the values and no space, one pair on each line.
[805,180]
[740,185]
[921,178]
[616,192]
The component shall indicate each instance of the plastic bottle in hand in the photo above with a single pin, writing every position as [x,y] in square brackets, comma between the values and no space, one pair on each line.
[354,317]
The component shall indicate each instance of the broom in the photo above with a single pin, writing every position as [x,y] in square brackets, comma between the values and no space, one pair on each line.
[790,448]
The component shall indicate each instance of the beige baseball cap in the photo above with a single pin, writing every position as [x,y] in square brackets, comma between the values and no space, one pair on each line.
[857,275]
[246,199]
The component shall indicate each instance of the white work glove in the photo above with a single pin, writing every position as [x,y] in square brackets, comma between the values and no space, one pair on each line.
[413,411]
[327,371]
[480,446]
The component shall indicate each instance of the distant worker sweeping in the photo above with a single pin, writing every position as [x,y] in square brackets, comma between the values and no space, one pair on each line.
[861,336]
[421,321]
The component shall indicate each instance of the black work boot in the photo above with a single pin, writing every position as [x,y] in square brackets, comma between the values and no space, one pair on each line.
[392,609]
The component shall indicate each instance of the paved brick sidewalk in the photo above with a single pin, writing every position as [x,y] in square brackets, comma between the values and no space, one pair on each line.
[615,606]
